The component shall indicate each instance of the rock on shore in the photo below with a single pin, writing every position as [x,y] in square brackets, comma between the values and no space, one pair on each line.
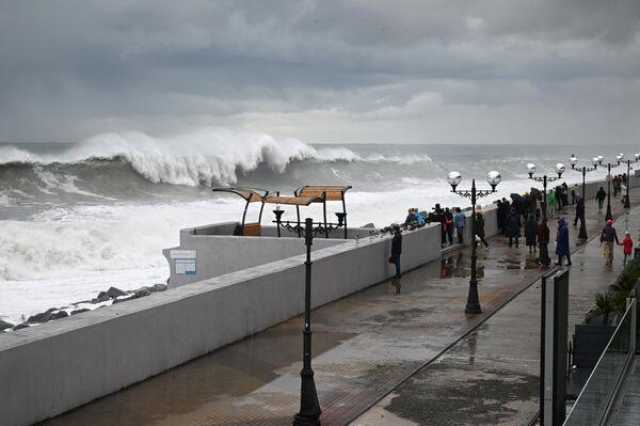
[104,298]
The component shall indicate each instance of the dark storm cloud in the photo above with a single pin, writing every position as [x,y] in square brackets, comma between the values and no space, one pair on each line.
[407,70]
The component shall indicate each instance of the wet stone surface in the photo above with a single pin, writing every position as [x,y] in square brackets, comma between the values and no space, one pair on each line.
[458,394]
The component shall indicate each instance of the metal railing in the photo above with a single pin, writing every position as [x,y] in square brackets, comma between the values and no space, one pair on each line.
[595,401]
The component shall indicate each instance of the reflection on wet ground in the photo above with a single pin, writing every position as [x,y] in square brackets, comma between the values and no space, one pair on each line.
[363,346]
[491,375]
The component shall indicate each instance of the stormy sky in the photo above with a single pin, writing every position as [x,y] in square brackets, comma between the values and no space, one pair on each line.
[401,71]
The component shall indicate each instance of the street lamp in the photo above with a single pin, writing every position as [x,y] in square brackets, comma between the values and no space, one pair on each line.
[627,203]
[454,179]
[582,235]
[608,216]
[600,160]
[309,405]
[619,158]
[531,169]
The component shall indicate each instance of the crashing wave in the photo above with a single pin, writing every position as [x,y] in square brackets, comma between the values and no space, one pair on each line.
[208,156]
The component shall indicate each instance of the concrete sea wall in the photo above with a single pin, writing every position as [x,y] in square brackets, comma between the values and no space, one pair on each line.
[52,368]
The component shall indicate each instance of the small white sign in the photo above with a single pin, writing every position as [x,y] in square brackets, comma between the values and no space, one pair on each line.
[185,266]
[182,254]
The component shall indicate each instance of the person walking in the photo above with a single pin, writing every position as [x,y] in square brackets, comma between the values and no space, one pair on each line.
[438,215]
[530,232]
[608,237]
[627,246]
[579,212]
[601,195]
[459,220]
[448,218]
[543,241]
[558,193]
[513,228]
[551,202]
[562,242]
[396,248]
[479,224]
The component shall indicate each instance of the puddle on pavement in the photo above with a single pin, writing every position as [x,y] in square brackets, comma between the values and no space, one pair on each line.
[235,370]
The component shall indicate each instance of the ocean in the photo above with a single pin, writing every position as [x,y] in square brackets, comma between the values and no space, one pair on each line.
[77,218]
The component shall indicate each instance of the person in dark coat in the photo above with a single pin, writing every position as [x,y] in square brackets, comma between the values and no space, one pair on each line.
[530,232]
[609,236]
[396,248]
[438,215]
[559,200]
[601,195]
[543,241]
[499,208]
[479,224]
[448,218]
[513,228]
[562,242]
[564,190]
[579,212]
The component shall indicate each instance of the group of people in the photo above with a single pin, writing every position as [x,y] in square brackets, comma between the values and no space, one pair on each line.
[452,223]
[522,212]
[512,216]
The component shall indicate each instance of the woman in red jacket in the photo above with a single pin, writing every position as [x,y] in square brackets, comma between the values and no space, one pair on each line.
[627,246]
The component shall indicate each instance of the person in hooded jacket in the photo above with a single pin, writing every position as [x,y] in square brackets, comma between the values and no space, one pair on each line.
[513,228]
[396,248]
[459,221]
[448,217]
[579,212]
[479,225]
[627,246]
[543,241]
[530,232]
[562,242]
[608,237]
[601,195]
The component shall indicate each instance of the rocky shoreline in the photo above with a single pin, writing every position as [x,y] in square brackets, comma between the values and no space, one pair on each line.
[104,298]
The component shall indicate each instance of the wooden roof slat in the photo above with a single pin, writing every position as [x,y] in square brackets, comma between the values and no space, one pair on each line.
[251,195]
[292,201]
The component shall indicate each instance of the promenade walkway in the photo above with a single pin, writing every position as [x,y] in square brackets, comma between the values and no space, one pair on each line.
[367,344]
[626,411]
[491,376]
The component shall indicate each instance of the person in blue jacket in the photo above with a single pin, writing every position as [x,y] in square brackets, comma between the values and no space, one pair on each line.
[562,242]
[459,221]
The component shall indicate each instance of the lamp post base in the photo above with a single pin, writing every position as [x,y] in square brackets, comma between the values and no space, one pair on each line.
[473,300]
[309,414]
[582,235]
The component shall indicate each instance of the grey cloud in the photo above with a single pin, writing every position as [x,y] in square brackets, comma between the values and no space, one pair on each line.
[73,68]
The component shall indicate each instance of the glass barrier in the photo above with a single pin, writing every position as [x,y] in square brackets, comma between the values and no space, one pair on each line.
[598,392]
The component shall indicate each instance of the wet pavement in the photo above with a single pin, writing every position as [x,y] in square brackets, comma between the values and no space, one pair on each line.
[491,376]
[367,344]
[626,411]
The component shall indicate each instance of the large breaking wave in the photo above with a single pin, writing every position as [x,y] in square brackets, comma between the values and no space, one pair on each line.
[209,156]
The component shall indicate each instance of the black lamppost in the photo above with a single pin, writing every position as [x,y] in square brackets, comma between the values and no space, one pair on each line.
[531,169]
[627,201]
[608,216]
[309,405]
[582,235]
[278,212]
[454,178]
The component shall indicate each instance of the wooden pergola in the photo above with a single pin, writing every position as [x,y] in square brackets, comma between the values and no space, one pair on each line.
[303,197]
